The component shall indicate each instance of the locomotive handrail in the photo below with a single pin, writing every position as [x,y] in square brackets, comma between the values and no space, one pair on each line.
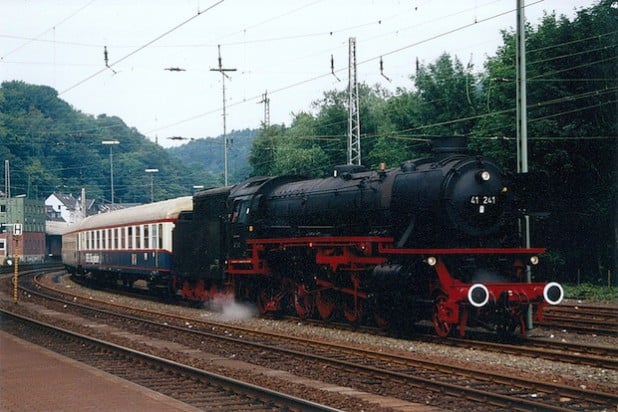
[462,251]
[321,240]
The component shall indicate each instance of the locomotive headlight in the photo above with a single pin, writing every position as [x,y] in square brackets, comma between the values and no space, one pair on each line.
[484,176]
[534,260]
[431,261]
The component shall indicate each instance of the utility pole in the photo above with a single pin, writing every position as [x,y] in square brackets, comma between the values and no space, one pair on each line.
[354,147]
[266,101]
[221,70]
[522,127]
[111,144]
[151,173]
[7,180]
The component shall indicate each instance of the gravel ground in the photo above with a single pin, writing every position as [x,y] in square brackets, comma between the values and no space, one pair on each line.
[583,376]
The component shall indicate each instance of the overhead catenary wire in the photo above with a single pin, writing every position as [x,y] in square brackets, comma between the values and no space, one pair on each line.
[274,91]
[334,71]
[157,38]
[53,27]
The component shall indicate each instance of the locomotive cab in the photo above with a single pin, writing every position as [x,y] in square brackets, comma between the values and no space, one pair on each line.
[246,204]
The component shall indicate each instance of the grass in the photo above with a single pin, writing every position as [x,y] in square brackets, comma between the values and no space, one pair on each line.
[589,291]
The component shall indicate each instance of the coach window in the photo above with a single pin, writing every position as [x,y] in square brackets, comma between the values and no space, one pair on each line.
[130,237]
[138,237]
[97,239]
[146,236]
[115,238]
[123,237]
[153,236]
[160,235]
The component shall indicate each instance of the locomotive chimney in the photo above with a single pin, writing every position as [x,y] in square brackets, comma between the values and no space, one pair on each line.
[445,146]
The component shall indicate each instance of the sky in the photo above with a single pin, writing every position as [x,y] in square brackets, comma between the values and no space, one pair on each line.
[282,48]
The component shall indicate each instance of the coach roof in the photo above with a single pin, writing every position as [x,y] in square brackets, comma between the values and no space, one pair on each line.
[151,212]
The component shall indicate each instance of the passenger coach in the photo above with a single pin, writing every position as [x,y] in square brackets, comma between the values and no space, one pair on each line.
[129,244]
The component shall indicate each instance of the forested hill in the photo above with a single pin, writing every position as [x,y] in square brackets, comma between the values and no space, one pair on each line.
[51,147]
[207,154]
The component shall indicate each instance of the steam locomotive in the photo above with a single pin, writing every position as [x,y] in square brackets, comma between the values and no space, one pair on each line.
[434,239]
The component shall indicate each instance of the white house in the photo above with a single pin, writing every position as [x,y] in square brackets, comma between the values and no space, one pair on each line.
[64,207]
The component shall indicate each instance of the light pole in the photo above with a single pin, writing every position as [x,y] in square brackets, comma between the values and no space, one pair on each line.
[111,144]
[152,172]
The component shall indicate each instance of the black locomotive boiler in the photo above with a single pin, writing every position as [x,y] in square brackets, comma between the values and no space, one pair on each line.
[435,238]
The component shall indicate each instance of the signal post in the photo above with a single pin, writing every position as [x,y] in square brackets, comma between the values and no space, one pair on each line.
[17,231]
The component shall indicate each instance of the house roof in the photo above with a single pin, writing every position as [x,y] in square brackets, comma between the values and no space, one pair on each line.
[67,200]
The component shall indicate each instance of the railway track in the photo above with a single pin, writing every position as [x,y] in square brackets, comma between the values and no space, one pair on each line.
[579,354]
[598,356]
[368,370]
[586,319]
[195,387]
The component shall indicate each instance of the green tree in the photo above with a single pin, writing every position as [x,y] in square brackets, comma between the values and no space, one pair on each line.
[572,129]
[262,155]
[447,95]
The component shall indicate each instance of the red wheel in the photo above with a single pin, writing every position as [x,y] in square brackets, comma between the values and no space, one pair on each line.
[262,302]
[353,308]
[383,311]
[304,301]
[381,319]
[326,301]
[442,328]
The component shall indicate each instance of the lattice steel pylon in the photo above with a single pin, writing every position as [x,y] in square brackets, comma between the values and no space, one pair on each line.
[266,101]
[354,145]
